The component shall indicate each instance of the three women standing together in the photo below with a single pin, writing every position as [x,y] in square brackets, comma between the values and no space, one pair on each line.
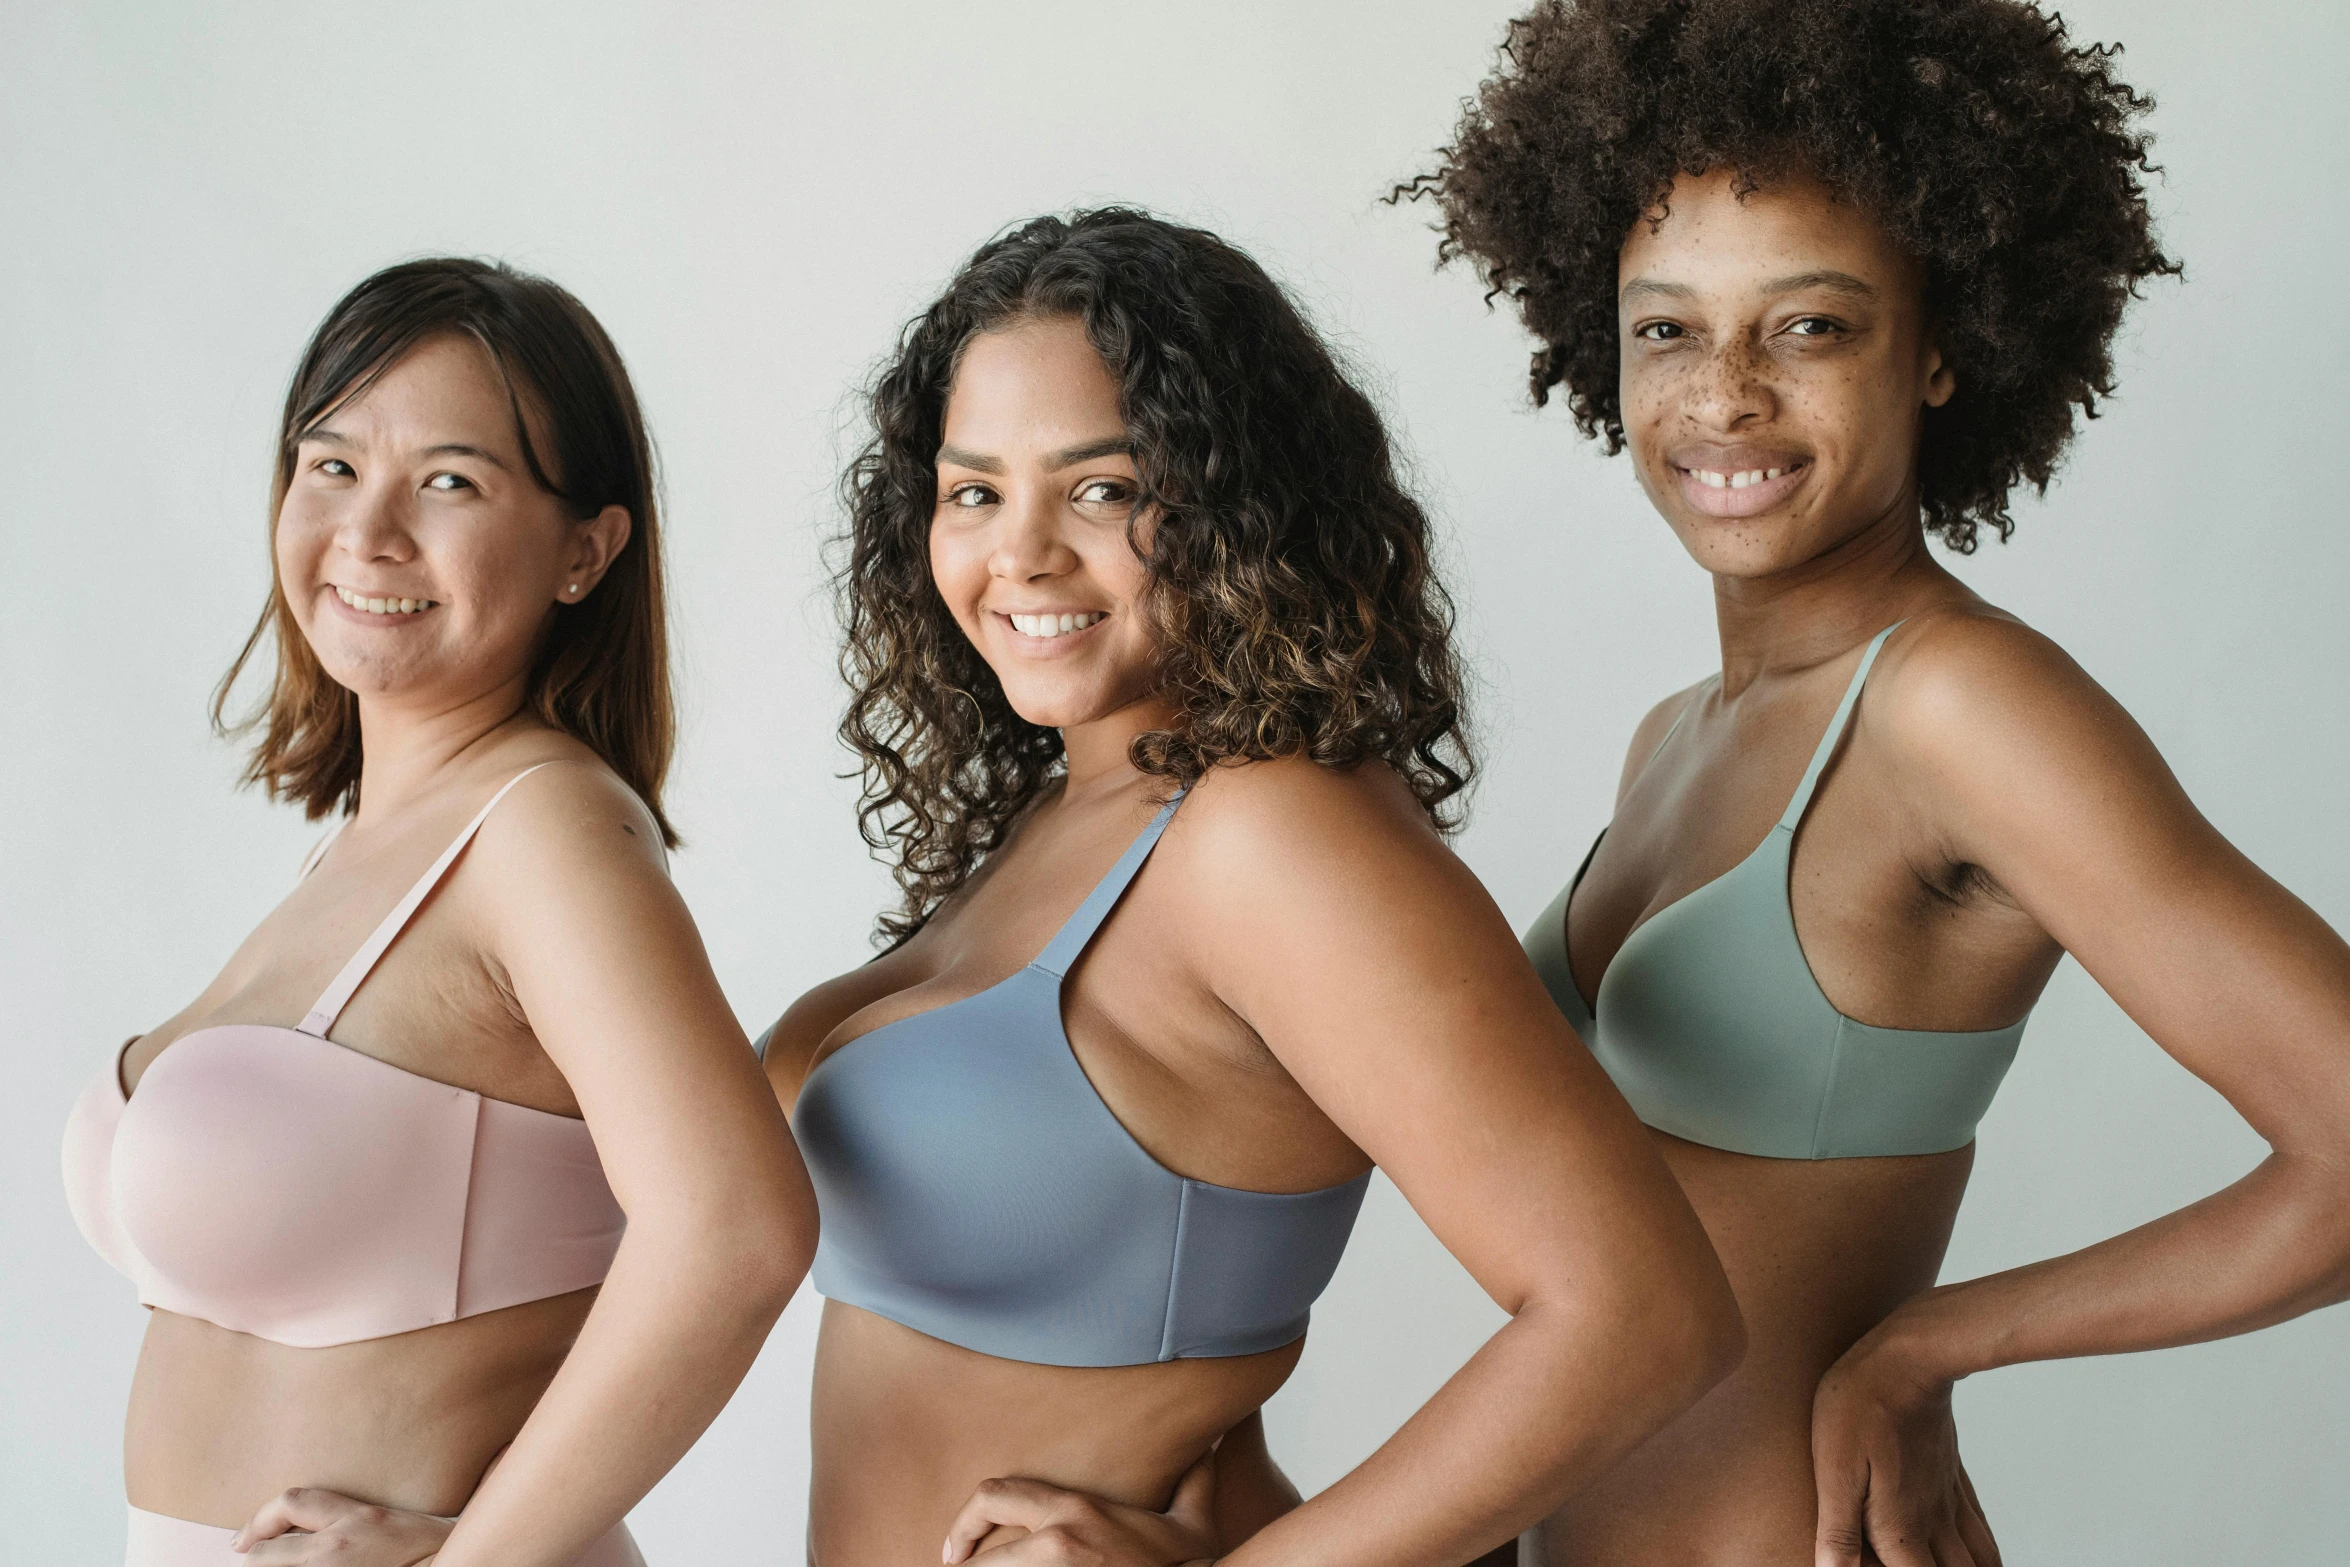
[1162,731]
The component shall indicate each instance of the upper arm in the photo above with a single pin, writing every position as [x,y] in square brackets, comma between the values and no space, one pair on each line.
[1335,922]
[611,974]
[2034,773]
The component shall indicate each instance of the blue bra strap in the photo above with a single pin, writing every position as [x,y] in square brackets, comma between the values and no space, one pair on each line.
[1072,937]
[1819,758]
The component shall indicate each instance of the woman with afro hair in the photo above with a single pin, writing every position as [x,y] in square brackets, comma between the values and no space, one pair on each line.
[1839,273]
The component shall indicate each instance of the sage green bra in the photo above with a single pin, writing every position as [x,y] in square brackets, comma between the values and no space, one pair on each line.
[1712,1025]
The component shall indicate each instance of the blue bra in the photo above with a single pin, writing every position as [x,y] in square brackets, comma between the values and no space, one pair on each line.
[973,1186]
[1711,1023]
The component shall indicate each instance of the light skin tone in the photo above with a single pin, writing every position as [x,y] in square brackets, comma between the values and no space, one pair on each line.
[555,968]
[1990,810]
[1302,981]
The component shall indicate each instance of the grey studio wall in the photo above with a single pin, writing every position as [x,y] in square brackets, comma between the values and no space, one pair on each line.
[754,199]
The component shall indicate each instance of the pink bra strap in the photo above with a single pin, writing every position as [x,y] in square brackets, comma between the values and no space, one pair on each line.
[346,984]
[318,849]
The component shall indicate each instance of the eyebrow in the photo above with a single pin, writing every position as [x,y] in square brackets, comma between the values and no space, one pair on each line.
[1836,282]
[1108,446]
[319,432]
[1827,278]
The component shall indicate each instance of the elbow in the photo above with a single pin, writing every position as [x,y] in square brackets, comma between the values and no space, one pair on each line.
[1687,1329]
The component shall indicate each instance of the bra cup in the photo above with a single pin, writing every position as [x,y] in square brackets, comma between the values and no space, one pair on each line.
[311,1195]
[944,1210]
[1726,1051]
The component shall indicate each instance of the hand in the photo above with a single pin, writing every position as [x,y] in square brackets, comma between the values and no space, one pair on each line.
[1071,1529]
[310,1525]
[1884,1453]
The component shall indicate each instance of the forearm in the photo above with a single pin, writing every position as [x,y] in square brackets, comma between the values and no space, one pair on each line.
[681,1316]
[1547,1405]
[2268,1248]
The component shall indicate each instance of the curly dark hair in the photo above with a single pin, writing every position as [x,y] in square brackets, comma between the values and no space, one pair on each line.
[2003,157]
[1288,570]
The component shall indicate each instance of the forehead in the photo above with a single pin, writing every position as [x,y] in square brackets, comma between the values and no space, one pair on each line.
[1721,242]
[444,387]
[1036,381]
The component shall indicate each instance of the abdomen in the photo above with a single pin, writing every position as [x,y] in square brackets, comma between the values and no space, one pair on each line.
[907,1426]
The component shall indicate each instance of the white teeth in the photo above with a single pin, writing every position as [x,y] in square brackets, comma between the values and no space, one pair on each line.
[386,606]
[1745,478]
[1052,625]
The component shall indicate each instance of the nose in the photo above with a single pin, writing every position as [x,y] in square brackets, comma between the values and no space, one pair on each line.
[372,524]
[1733,388]
[1029,542]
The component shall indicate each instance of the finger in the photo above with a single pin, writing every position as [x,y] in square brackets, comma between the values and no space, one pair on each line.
[1194,1507]
[1902,1545]
[1841,1539]
[1022,1504]
[1950,1547]
[1973,1526]
[303,1507]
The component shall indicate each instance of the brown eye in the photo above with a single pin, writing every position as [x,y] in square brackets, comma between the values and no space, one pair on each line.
[1104,492]
[1659,331]
[969,496]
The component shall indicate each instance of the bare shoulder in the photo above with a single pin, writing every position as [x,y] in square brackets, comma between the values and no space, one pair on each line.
[570,818]
[1971,676]
[1292,816]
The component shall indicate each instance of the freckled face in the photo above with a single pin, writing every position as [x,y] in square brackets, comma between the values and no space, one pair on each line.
[1776,368]
[421,559]
[1028,545]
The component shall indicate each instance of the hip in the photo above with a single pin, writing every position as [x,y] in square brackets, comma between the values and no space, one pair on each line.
[160,1540]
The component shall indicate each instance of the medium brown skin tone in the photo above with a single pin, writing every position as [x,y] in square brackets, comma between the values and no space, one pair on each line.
[556,968]
[1990,810]
[1302,981]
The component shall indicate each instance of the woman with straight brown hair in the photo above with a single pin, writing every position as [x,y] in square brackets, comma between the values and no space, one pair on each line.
[454,1267]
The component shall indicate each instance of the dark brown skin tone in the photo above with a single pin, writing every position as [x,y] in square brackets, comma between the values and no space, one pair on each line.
[1302,981]
[556,967]
[1991,809]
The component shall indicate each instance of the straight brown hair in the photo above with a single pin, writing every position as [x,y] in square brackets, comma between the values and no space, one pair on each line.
[602,675]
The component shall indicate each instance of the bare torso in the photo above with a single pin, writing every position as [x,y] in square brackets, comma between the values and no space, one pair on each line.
[906,1426]
[221,1421]
[1817,1251]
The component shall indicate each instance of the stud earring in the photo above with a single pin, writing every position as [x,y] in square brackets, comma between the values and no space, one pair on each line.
[574,588]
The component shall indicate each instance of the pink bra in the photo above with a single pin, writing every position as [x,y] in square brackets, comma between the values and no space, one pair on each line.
[273,1182]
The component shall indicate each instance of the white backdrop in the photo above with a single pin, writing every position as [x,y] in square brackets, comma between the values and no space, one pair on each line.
[753,199]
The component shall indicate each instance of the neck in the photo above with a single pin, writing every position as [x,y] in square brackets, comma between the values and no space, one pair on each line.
[1800,617]
[1097,751]
[406,748]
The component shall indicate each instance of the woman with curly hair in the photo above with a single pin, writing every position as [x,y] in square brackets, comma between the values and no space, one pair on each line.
[1161,727]
[1839,273]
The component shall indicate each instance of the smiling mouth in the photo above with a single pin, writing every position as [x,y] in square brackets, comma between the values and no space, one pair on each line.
[385,606]
[1045,627]
[1740,479]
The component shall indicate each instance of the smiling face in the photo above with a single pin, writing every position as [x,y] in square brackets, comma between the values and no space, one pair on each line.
[1028,545]
[419,556]
[1776,368]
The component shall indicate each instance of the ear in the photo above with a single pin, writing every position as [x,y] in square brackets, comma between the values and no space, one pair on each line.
[1941,379]
[595,544]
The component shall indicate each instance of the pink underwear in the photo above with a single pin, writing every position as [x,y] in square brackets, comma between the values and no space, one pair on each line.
[157,1540]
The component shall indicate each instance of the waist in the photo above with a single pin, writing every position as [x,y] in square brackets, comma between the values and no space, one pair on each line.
[1817,1253]
[221,1421]
[906,1426]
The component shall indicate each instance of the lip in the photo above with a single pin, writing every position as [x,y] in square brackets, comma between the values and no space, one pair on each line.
[1065,642]
[363,617]
[1751,501]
